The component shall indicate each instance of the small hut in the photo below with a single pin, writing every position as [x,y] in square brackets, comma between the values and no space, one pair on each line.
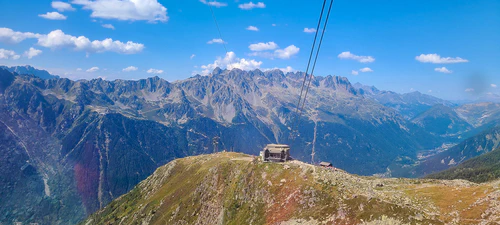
[275,153]
[326,164]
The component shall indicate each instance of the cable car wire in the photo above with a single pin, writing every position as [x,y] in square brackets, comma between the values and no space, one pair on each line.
[218,29]
[316,58]
[294,121]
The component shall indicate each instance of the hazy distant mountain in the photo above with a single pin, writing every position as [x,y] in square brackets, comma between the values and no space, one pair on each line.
[408,104]
[477,145]
[87,132]
[29,70]
[480,114]
[444,121]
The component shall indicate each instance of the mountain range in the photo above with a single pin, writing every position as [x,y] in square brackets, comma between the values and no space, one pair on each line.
[77,145]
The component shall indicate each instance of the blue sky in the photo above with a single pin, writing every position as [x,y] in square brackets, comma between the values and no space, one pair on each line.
[394,45]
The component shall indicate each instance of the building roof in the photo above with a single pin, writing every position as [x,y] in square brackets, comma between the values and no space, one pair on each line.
[277,146]
[325,164]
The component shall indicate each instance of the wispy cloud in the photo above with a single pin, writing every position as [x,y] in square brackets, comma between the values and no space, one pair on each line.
[32,52]
[252,28]
[362,70]
[493,85]
[214,3]
[366,70]
[263,46]
[155,71]
[93,69]
[265,50]
[309,30]
[216,41]
[362,59]
[469,90]
[251,5]
[130,68]
[192,56]
[437,59]
[109,26]
[287,69]
[53,16]
[443,70]
[62,6]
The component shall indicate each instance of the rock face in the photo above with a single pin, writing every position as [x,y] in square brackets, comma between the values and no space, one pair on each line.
[80,144]
[232,188]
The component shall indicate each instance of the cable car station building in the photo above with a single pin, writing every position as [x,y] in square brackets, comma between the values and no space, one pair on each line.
[275,153]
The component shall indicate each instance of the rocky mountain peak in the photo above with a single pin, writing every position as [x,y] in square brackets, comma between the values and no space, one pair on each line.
[29,70]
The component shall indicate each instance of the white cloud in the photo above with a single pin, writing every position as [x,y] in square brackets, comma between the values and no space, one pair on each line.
[264,50]
[363,70]
[57,39]
[287,69]
[230,61]
[287,52]
[366,70]
[469,90]
[429,91]
[130,68]
[273,24]
[9,36]
[252,28]
[149,10]
[8,54]
[53,16]
[443,70]
[192,56]
[155,71]
[109,26]
[263,46]
[362,59]
[78,69]
[309,30]
[32,52]
[214,3]
[62,6]
[437,59]
[216,41]
[93,69]
[251,5]
[493,85]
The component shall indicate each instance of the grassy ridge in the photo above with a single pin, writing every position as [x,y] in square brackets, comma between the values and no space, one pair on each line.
[233,188]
